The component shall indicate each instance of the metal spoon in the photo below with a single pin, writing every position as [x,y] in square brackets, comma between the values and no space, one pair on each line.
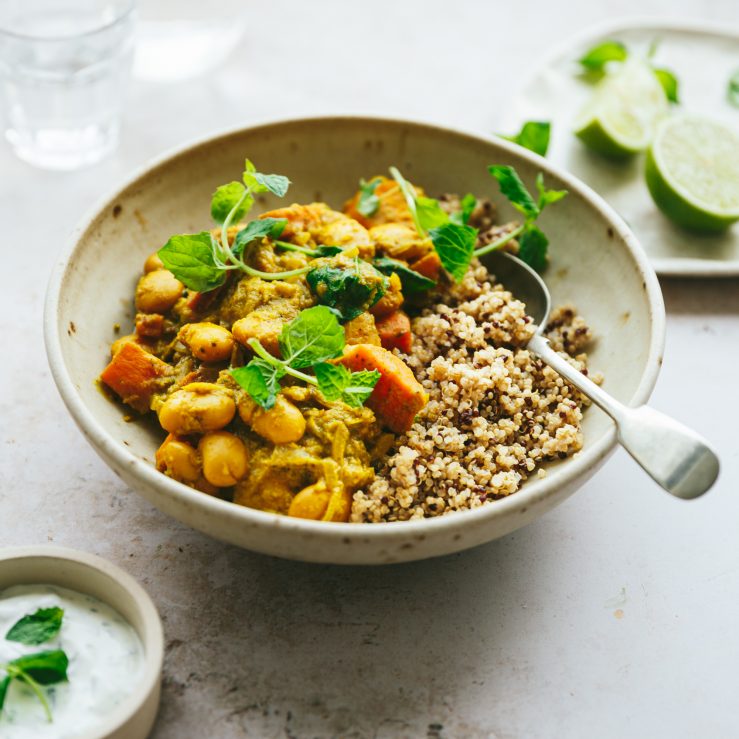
[676,457]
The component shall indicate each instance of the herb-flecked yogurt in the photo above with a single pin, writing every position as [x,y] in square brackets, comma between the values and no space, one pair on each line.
[106,662]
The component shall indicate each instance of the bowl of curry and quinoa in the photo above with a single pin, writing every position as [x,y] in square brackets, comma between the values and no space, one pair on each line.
[314,362]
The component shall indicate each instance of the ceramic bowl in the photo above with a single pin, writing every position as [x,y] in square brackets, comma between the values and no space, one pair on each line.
[596,263]
[91,575]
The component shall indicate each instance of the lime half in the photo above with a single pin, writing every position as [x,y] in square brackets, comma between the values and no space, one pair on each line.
[620,118]
[692,172]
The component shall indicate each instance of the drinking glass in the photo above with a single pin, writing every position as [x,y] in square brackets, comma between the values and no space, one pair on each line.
[64,65]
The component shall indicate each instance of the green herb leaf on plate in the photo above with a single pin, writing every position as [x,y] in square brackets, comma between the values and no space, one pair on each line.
[351,290]
[732,89]
[46,668]
[514,190]
[547,197]
[38,627]
[455,246]
[534,135]
[261,379]
[430,213]
[225,199]
[469,203]
[596,58]
[368,202]
[336,382]
[4,683]
[314,336]
[669,84]
[277,184]
[412,281]
[189,257]
[258,230]
[533,246]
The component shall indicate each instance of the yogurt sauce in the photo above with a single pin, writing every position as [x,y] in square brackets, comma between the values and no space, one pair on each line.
[106,661]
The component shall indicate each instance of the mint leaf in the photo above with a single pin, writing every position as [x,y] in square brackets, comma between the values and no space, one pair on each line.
[4,683]
[45,668]
[534,135]
[512,187]
[455,245]
[225,199]
[595,59]
[412,281]
[189,257]
[469,203]
[261,379]
[547,197]
[351,290]
[732,90]
[368,202]
[533,246]
[314,336]
[669,84]
[257,230]
[38,627]
[430,214]
[336,382]
[327,251]
[277,184]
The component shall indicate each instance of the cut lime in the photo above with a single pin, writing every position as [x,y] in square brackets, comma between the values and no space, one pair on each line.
[620,118]
[692,172]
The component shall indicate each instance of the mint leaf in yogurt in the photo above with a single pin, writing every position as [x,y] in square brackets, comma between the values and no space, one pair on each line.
[37,628]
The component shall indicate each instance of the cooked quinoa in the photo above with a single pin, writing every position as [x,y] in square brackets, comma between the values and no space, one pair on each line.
[496,413]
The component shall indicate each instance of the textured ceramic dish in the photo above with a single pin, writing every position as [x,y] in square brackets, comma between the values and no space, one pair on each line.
[91,575]
[597,263]
[703,56]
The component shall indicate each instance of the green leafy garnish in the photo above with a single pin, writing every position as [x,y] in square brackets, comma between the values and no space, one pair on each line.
[336,382]
[310,340]
[669,84]
[36,628]
[533,243]
[350,289]
[430,214]
[595,59]
[534,135]
[201,261]
[732,90]
[368,202]
[455,245]
[36,670]
[412,281]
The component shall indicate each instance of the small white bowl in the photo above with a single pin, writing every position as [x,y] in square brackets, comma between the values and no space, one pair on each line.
[597,263]
[91,575]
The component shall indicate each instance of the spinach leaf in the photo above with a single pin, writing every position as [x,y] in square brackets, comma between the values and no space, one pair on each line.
[225,199]
[455,246]
[189,257]
[368,202]
[512,187]
[595,59]
[336,382]
[38,627]
[314,336]
[534,135]
[261,379]
[45,668]
[669,84]
[412,281]
[257,230]
[351,290]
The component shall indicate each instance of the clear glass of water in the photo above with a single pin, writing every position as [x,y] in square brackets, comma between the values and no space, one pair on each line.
[64,67]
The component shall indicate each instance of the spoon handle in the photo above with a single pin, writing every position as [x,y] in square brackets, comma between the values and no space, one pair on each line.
[676,457]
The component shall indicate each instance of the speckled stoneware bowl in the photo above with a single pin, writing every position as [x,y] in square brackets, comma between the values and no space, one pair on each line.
[596,263]
[85,573]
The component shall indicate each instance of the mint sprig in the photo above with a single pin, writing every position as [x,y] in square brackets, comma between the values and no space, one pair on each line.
[308,341]
[37,628]
[534,136]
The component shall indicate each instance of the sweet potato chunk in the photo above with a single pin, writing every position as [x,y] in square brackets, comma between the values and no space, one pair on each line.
[398,396]
[395,331]
[362,330]
[429,266]
[135,375]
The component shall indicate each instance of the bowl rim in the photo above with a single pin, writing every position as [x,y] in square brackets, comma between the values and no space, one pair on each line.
[528,495]
[151,633]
